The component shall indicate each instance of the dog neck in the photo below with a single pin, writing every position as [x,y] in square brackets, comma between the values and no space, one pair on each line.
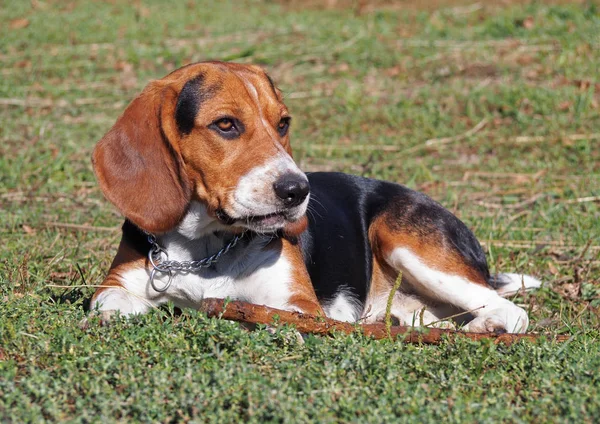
[199,235]
[197,223]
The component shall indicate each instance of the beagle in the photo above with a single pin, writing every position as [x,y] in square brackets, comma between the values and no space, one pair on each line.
[200,165]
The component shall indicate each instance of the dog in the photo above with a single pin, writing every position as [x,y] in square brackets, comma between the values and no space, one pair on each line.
[200,165]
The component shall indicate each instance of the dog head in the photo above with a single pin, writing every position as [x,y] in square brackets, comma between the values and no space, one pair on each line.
[216,133]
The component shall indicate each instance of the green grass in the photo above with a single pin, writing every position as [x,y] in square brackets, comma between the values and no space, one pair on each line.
[389,91]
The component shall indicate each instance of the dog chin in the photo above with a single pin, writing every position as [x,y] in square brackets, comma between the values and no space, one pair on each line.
[264,224]
[295,228]
[274,223]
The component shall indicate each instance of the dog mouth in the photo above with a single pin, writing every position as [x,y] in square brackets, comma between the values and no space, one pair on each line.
[262,223]
[269,219]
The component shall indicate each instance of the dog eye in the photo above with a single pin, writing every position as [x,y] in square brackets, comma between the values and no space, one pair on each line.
[283,126]
[228,128]
[225,124]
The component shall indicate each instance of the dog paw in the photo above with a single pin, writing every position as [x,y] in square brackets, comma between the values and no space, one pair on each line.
[486,325]
[504,320]
[101,317]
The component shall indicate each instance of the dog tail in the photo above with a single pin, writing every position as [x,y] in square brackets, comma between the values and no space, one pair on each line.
[509,284]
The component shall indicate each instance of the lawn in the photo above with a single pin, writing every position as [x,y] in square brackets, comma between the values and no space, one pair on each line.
[491,107]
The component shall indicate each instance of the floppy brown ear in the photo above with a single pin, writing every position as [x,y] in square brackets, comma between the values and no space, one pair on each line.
[139,168]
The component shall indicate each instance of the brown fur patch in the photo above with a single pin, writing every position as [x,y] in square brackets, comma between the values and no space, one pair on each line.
[294,229]
[126,259]
[303,295]
[429,248]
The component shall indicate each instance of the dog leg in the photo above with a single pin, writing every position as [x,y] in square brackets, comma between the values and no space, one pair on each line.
[442,261]
[303,297]
[492,312]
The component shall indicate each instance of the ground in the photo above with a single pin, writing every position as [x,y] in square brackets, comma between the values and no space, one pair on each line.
[492,108]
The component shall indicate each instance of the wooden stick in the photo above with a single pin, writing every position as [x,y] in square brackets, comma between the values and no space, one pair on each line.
[258,314]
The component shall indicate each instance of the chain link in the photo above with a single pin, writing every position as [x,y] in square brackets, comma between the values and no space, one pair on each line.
[167,266]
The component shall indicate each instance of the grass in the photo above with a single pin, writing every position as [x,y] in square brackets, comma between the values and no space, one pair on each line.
[492,108]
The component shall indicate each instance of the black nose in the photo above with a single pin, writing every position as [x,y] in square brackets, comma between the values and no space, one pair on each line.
[292,189]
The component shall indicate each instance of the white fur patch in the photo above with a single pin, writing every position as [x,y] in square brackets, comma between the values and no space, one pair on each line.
[197,223]
[119,299]
[344,306]
[254,194]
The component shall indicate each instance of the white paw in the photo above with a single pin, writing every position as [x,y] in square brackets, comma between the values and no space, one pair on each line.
[105,318]
[509,319]
[118,299]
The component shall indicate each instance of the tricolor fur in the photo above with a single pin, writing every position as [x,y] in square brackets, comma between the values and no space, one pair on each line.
[204,154]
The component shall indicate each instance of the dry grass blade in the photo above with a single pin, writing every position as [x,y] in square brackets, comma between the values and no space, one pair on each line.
[525,244]
[352,148]
[543,139]
[390,301]
[582,200]
[446,140]
[460,44]
[81,227]
[388,148]
[519,205]
[45,103]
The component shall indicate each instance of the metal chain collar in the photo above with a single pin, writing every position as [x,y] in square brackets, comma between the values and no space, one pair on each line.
[167,266]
